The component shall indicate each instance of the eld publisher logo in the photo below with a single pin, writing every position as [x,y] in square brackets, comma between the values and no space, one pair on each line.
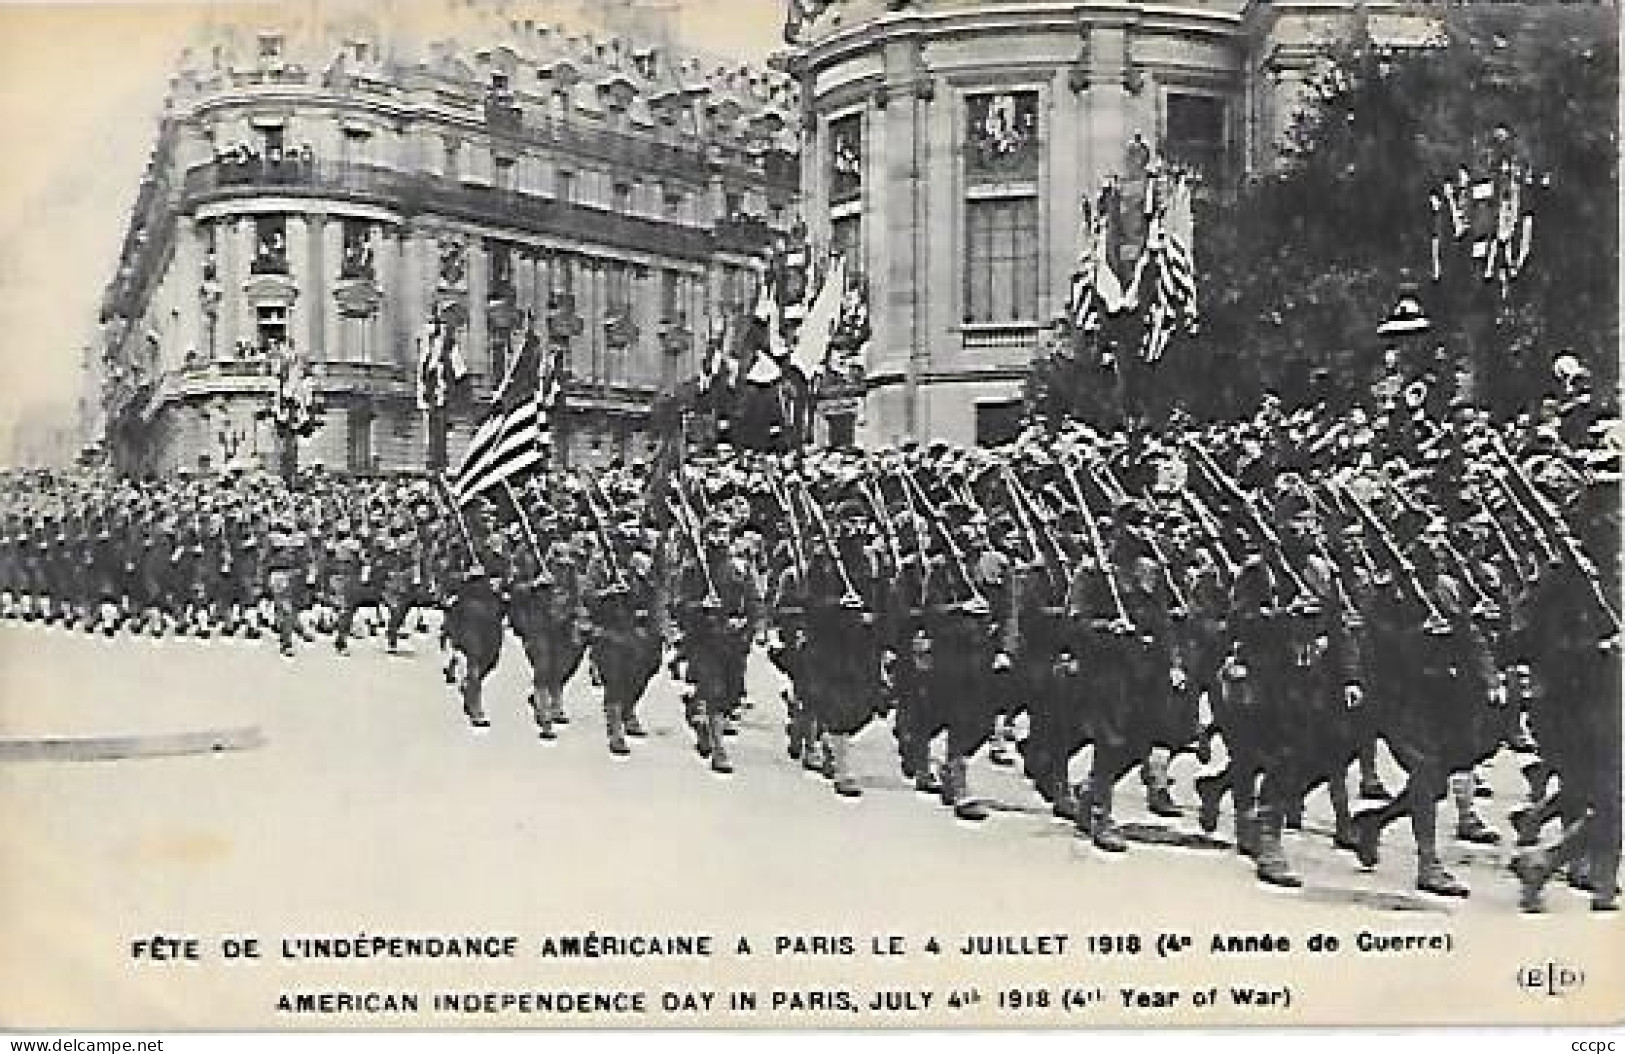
[1551,979]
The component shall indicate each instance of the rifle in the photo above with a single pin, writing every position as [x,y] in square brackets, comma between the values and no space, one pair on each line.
[849,597]
[1303,601]
[1181,607]
[684,514]
[977,604]
[1434,624]
[595,494]
[1551,521]
[442,493]
[1122,625]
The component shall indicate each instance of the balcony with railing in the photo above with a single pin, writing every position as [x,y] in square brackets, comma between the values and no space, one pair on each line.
[983,337]
[414,193]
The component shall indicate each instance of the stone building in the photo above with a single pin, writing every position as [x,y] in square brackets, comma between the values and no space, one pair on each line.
[325,186]
[949,147]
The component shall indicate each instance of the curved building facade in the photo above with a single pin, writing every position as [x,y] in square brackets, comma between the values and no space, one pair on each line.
[331,185]
[950,147]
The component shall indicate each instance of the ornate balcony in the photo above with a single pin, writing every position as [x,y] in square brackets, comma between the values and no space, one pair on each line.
[417,193]
[1000,337]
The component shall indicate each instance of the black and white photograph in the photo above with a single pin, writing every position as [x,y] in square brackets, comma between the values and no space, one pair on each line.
[809,515]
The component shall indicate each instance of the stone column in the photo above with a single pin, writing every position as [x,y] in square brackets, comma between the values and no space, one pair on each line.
[1064,198]
[392,347]
[188,276]
[643,363]
[1108,123]
[303,328]
[479,346]
[410,289]
[245,322]
[330,245]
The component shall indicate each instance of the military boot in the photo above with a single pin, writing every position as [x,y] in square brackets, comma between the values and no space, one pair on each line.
[1000,752]
[838,748]
[543,716]
[1472,828]
[1533,867]
[1368,837]
[1103,830]
[720,762]
[1271,862]
[1063,803]
[1525,821]
[1538,775]
[1210,791]
[473,708]
[965,807]
[615,728]
[633,726]
[1158,799]
[1431,877]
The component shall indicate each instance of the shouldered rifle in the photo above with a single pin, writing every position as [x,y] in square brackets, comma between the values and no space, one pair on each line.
[1434,624]
[1122,625]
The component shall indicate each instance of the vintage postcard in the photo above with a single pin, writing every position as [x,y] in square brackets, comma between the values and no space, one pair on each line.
[821,514]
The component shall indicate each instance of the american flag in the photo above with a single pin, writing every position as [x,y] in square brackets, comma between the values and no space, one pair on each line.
[510,440]
[1168,255]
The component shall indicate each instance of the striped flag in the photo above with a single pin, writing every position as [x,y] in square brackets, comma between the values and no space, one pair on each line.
[511,438]
[1169,256]
[1094,284]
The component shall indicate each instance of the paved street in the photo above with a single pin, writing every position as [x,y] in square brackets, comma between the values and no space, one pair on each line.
[348,793]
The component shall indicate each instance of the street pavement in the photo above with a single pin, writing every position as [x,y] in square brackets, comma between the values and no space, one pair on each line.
[329,794]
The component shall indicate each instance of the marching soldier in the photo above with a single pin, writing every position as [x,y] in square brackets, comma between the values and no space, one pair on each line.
[716,608]
[624,598]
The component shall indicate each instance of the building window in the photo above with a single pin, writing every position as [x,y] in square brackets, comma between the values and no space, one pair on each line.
[733,205]
[1195,136]
[998,423]
[564,185]
[500,258]
[671,296]
[453,154]
[271,328]
[356,337]
[843,431]
[360,452]
[620,328]
[1001,266]
[270,46]
[674,204]
[357,261]
[353,144]
[846,158]
[738,292]
[273,141]
[358,49]
[270,245]
[1001,137]
[846,241]
[499,81]
[621,201]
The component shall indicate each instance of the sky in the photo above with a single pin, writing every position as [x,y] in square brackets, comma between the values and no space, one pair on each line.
[81,88]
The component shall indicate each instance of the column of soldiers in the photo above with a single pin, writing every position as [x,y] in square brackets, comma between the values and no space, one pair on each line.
[1300,587]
